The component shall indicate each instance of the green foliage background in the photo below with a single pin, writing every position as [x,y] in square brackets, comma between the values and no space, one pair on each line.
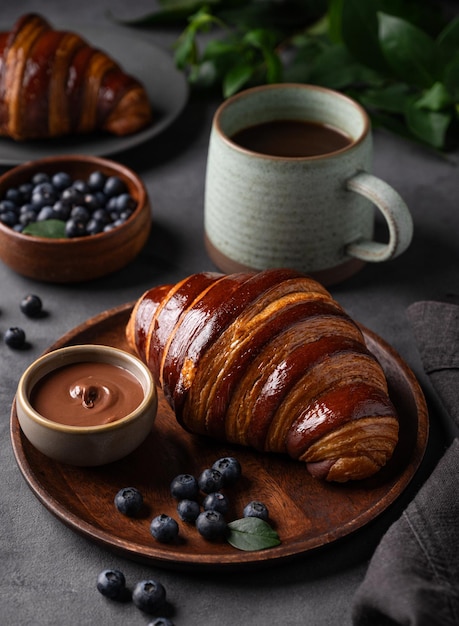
[398,58]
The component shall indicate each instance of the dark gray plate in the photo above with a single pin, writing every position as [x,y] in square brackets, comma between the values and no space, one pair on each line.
[154,67]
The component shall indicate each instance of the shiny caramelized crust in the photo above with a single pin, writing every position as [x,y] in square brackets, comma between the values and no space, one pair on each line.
[268,360]
[53,83]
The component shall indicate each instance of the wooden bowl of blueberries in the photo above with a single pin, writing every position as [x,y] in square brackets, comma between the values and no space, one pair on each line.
[72,218]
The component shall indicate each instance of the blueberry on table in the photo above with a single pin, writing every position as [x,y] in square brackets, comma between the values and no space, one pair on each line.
[164,528]
[211,525]
[188,510]
[230,468]
[210,480]
[31,305]
[149,596]
[129,501]
[15,337]
[184,487]
[256,509]
[216,502]
[112,584]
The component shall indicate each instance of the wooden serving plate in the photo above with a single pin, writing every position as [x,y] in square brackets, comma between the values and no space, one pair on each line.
[307,513]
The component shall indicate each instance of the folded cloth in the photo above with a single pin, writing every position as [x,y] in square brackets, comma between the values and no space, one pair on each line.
[413,576]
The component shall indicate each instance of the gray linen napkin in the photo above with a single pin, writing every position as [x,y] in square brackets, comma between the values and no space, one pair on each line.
[413,576]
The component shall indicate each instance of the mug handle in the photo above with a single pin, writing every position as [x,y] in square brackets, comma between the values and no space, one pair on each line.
[396,213]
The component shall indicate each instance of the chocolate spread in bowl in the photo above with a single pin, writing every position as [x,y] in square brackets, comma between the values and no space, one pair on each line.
[87,394]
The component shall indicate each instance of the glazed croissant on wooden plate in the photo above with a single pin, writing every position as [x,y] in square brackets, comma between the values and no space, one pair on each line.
[268,360]
[54,83]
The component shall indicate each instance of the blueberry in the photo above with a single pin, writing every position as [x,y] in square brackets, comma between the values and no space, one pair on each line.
[27,216]
[101,215]
[211,525]
[210,480]
[46,213]
[31,305]
[230,468]
[71,195]
[112,205]
[94,226]
[44,192]
[9,218]
[74,228]
[96,181]
[15,337]
[7,205]
[26,191]
[161,621]
[40,177]
[14,195]
[80,213]
[61,180]
[90,201]
[129,501]
[101,198]
[112,584]
[188,510]
[149,596]
[184,487]
[114,186]
[81,185]
[61,210]
[256,509]
[164,528]
[125,202]
[216,502]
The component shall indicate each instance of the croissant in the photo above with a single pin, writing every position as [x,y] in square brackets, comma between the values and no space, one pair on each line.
[53,83]
[268,360]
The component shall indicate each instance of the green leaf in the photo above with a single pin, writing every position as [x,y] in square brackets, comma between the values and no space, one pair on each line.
[359,31]
[448,39]
[429,126]
[236,78]
[252,533]
[334,67]
[409,51]
[186,51]
[52,229]
[437,98]
[451,76]
[392,98]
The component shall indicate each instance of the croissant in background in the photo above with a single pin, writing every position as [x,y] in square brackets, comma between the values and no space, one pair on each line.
[268,360]
[53,83]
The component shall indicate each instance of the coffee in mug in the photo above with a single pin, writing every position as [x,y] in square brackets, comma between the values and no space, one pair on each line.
[289,184]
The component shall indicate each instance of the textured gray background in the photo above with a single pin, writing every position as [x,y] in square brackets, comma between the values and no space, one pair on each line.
[47,572]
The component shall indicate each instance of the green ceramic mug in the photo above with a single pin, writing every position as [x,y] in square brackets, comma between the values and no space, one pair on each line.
[313,212]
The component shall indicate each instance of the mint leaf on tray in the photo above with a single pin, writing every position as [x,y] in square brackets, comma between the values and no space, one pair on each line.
[252,533]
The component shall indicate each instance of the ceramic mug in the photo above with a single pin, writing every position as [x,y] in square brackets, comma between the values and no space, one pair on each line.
[311,213]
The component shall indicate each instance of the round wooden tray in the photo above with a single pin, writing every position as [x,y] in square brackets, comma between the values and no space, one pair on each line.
[307,513]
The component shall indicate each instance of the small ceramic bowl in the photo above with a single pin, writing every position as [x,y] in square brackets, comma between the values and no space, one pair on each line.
[70,260]
[86,445]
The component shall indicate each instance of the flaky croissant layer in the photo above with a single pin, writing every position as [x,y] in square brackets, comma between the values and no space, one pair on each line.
[268,360]
[54,83]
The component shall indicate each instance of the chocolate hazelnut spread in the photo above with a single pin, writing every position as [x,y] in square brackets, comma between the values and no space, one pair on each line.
[87,394]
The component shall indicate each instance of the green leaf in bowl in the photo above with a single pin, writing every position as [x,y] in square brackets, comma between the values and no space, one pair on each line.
[52,229]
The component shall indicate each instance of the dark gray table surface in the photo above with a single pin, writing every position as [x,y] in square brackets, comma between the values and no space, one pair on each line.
[48,572]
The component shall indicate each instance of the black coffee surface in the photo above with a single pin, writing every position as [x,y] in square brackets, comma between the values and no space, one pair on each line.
[291,138]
